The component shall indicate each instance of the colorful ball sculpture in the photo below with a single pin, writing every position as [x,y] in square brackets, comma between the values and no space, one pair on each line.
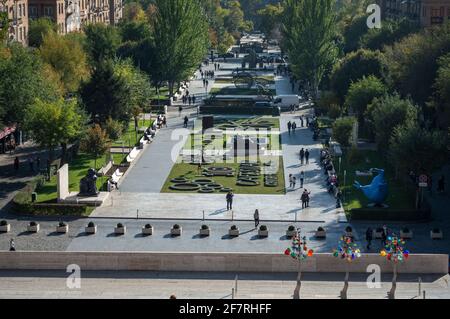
[299,248]
[347,249]
[394,250]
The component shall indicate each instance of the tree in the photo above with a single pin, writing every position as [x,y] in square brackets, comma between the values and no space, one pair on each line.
[54,123]
[39,28]
[342,130]
[309,32]
[106,95]
[362,93]
[353,32]
[180,40]
[95,142]
[134,11]
[270,17]
[388,112]
[23,80]
[353,67]
[102,42]
[441,101]
[412,147]
[67,58]
[412,63]
[134,31]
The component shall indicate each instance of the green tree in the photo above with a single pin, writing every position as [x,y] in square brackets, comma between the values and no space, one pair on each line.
[309,30]
[23,79]
[95,142]
[102,42]
[362,93]
[412,147]
[39,28]
[67,58]
[388,112]
[270,18]
[134,31]
[342,130]
[180,40]
[106,95]
[441,101]
[354,32]
[353,67]
[54,123]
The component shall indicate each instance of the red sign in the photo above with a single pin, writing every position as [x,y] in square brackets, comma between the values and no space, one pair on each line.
[6,131]
[423,178]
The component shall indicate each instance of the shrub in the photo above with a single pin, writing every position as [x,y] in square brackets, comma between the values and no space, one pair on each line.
[355,156]
[291,228]
[148,226]
[91,225]
[234,227]
[119,225]
[33,224]
[263,227]
[176,226]
[348,229]
[342,130]
[3,223]
[114,129]
[62,224]
[204,227]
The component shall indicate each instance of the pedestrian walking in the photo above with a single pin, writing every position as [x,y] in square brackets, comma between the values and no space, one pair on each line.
[307,156]
[302,178]
[290,180]
[303,199]
[190,100]
[229,198]
[369,234]
[193,99]
[302,156]
[256,218]
[294,182]
[185,121]
[180,108]
[289,126]
[302,124]
[294,127]
[308,197]
[12,245]
[16,164]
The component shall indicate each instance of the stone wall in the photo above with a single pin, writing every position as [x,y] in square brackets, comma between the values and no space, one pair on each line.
[224,262]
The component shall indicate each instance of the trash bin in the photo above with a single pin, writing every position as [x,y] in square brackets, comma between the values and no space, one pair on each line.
[34,197]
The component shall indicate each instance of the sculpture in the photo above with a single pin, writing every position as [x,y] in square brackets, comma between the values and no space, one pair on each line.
[377,190]
[88,187]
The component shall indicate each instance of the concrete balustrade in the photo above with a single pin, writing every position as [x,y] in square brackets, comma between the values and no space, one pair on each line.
[224,262]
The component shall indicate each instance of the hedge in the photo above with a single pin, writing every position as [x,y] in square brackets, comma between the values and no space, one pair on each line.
[242,110]
[380,214]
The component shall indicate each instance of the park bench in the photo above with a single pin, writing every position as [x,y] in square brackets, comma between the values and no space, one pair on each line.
[133,154]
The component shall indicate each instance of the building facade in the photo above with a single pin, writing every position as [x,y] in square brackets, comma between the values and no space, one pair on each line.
[72,15]
[17,11]
[426,13]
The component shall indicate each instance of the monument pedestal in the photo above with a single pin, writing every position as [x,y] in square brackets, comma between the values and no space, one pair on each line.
[73,198]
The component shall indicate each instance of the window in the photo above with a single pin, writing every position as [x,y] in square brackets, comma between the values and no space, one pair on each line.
[48,11]
[424,11]
[33,11]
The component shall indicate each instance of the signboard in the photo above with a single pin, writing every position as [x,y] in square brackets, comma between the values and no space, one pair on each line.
[6,131]
[423,180]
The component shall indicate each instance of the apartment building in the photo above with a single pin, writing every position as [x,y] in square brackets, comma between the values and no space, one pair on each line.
[18,19]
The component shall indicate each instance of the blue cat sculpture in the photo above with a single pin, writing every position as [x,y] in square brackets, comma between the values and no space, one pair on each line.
[377,191]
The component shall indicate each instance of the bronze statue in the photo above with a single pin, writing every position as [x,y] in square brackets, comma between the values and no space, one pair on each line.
[88,187]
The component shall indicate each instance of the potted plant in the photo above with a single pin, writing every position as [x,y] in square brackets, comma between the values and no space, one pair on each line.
[205,230]
[62,228]
[176,230]
[147,230]
[91,228]
[33,227]
[406,233]
[263,231]
[234,231]
[4,227]
[437,233]
[378,233]
[349,231]
[120,229]
[291,231]
[321,233]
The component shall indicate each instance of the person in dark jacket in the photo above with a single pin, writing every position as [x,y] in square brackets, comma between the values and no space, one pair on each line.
[229,198]
[369,234]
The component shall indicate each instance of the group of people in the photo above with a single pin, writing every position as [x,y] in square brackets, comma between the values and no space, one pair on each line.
[292,125]
[207,74]
[229,199]
[332,180]
[304,156]
[216,66]
[33,162]
[188,99]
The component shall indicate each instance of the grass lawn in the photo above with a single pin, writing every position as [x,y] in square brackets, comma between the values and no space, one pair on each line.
[163,92]
[237,91]
[189,171]
[130,138]
[401,194]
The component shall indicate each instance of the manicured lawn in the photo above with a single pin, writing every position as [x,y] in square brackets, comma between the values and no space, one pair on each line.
[237,91]
[401,194]
[162,93]
[130,138]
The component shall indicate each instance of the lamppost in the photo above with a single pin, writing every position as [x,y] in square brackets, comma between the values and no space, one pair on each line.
[348,251]
[395,253]
[299,251]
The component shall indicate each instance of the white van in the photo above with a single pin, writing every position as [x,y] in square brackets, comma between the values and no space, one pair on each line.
[284,102]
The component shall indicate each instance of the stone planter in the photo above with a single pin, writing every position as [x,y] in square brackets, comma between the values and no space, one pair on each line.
[290,233]
[62,229]
[205,232]
[263,233]
[233,232]
[33,229]
[437,235]
[176,231]
[120,230]
[90,230]
[406,235]
[147,231]
[5,229]
[320,234]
